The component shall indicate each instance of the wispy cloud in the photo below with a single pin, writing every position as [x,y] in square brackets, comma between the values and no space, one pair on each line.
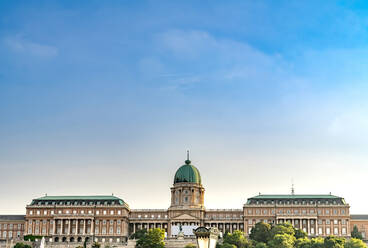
[19,45]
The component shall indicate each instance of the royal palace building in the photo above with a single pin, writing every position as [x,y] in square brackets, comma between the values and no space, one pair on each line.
[110,219]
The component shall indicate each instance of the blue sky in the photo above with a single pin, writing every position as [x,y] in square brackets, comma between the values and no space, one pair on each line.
[106,96]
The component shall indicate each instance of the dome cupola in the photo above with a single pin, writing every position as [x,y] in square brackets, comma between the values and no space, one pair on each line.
[187,173]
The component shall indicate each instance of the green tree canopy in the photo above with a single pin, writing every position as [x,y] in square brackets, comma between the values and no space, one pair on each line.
[283,228]
[355,243]
[21,245]
[190,246]
[300,234]
[261,245]
[334,242]
[303,243]
[284,240]
[226,245]
[260,232]
[154,238]
[138,234]
[355,233]
[317,243]
[236,238]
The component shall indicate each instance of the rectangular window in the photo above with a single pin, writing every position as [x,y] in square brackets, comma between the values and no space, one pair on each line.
[250,222]
[336,222]
[320,230]
[119,212]
[343,230]
[328,232]
[343,222]
[327,222]
[336,231]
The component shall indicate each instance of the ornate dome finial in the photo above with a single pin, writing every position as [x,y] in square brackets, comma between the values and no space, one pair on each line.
[187,161]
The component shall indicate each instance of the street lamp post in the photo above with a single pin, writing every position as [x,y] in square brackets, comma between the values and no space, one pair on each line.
[206,237]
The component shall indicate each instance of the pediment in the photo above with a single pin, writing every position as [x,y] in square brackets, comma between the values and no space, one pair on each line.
[185,217]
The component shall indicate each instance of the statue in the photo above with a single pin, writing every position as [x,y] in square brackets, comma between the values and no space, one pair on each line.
[180,234]
[42,245]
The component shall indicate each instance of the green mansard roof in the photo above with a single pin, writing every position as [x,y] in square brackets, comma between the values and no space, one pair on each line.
[266,197]
[78,197]
[320,199]
[187,173]
[84,200]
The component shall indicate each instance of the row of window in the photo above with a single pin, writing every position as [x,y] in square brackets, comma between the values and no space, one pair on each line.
[52,212]
[74,221]
[296,211]
[8,234]
[73,230]
[221,216]
[75,203]
[296,202]
[11,226]
[296,221]
[152,216]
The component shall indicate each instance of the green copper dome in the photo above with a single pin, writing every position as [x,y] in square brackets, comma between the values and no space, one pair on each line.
[187,174]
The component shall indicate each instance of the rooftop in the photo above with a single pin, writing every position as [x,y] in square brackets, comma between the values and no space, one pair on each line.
[79,200]
[359,216]
[11,217]
[75,197]
[291,196]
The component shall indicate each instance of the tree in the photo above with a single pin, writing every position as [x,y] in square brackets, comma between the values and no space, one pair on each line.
[190,246]
[96,245]
[355,243]
[317,243]
[226,245]
[300,234]
[236,238]
[355,233]
[334,242]
[154,238]
[282,241]
[303,243]
[21,245]
[261,245]
[283,228]
[138,234]
[260,232]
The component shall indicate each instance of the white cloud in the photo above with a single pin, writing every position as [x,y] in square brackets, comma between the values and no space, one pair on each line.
[20,45]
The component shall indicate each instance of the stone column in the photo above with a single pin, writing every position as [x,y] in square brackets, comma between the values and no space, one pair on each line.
[70,226]
[54,227]
[317,231]
[84,226]
[76,226]
[308,226]
[92,226]
[62,226]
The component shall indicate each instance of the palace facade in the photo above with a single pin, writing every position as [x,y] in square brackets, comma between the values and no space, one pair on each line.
[110,219]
